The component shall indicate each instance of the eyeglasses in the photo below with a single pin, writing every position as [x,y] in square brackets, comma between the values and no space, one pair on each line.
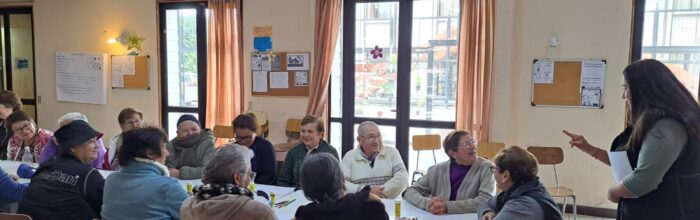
[251,174]
[244,138]
[471,144]
[372,137]
[494,169]
[133,122]
[25,126]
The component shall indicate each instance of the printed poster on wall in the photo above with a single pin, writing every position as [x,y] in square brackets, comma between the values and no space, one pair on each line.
[80,77]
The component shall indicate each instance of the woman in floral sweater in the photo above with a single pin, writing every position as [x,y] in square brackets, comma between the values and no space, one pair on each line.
[25,133]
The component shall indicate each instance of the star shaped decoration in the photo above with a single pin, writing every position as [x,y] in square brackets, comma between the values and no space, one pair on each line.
[134,41]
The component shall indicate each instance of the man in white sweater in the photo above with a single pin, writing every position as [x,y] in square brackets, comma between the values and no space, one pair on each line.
[374,164]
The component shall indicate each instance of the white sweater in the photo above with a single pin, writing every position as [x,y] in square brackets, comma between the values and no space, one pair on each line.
[388,171]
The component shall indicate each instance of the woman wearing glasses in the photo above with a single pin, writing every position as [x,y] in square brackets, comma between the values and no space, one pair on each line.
[225,194]
[523,197]
[459,185]
[25,134]
[263,161]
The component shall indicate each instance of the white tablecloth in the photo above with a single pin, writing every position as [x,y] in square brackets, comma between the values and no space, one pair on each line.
[407,209]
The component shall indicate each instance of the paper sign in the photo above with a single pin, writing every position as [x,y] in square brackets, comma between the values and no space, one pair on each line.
[543,72]
[262,31]
[259,81]
[620,164]
[262,43]
[279,80]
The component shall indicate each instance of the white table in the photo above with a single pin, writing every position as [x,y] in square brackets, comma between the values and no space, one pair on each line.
[407,209]
[11,168]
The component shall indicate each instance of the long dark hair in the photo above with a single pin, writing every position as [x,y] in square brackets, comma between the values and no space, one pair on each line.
[655,94]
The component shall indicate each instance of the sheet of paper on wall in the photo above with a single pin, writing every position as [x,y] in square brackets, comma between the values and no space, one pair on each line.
[259,81]
[80,77]
[279,80]
[591,97]
[301,78]
[262,31]
[256,62]
[543,72]
[117,80]
[266,62]
[592,75]
[125,65]
[620,164]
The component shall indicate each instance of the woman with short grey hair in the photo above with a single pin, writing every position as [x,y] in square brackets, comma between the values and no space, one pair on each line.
[51,149]
[225,194]
[324,183]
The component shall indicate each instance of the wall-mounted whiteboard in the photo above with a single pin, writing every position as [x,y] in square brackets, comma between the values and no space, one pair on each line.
[80,77]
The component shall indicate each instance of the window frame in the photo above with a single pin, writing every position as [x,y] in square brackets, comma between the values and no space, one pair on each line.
[201,23]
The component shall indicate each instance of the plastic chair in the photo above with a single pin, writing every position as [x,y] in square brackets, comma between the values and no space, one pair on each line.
[553,156]
[421,143]
[224,131]
[489,150]
[9,216]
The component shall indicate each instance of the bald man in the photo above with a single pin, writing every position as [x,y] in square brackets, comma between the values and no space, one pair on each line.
[374,164]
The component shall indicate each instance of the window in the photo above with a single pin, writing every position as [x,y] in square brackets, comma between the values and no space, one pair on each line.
[409,87]
[183,62]
[669,31]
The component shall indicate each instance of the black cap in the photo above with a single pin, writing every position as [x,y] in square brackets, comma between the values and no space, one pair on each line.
[75,133]
[187,117]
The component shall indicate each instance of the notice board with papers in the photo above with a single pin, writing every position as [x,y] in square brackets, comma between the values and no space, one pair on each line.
[574,83]
[130,72]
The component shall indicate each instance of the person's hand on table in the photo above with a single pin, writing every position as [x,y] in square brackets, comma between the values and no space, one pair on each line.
[437,206]
[489,216]
[14,177]
[378,190]
[174,173]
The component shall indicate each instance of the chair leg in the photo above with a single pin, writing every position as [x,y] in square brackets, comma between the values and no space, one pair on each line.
[574,198]
[563,207]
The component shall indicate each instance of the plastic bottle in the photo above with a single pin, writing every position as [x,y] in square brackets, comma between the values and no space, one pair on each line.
[27,157]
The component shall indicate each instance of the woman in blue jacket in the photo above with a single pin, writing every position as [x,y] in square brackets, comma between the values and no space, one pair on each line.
[142,189]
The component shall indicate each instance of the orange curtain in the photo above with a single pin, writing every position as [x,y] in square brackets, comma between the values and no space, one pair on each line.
[475,66]
[327,23]
[224,63]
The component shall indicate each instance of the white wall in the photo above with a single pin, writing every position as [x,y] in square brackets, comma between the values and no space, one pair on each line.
[85,26]
[593,29]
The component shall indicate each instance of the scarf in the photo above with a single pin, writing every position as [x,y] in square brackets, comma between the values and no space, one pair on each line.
[208,191]
[162,167]
[192,141]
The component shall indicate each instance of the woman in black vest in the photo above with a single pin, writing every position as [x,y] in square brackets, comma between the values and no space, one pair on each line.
[662,141]
[523,197]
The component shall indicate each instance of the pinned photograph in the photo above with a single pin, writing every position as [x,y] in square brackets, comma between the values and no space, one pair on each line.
[297,61]
[301,79]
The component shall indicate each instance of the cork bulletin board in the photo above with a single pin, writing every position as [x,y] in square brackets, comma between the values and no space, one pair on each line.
[130,72]
[280,74]
[574,83]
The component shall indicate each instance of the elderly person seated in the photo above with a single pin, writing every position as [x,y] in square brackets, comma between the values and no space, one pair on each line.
[191,150]
[323,183]
[225,194]
[523,196]
[67,187]
[311,132]
[264,162]
[25,134]
[128,118]
[51,149]
[459,185]
[373,164]
[142,185]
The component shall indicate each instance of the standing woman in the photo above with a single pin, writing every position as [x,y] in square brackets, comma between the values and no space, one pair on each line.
[25,134]
[9,102]
[662,141]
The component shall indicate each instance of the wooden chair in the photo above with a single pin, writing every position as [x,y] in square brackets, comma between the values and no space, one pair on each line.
[292,131]
[9,216]
[424,142]
[489,150]
[263,125]
[553,156]
[224,131]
